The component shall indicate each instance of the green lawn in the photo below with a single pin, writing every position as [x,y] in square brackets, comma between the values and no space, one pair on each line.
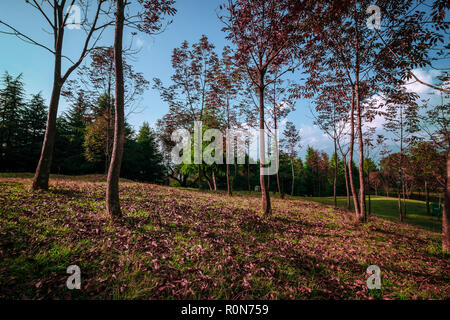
[387,207]
[175,243]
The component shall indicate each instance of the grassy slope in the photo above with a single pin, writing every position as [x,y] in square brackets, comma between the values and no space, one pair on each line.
[387,207]
[178,243]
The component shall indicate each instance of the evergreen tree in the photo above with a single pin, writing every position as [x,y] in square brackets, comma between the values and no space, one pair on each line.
[11,108]
[69,145]
[142,159]
[33,122]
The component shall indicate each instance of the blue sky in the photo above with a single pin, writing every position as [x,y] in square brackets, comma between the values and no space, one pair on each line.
[193,19]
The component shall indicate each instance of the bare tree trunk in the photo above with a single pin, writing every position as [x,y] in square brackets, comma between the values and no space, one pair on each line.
[404,200]
[362,197]
[199,168]
[112,189]
[279,186]
[293,177]
[107,145]
[229,192]
[248,176]
[265,196]
[368,194]
[40,180]
[42,174]
[214,180]
[335,172]
[208,180]
[350,160]
[276,142]
[346,184]
[446,213]
[362,205]
[427,197]
[108,128]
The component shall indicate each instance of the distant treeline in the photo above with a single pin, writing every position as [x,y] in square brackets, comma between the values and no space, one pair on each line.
[82,143]
[84,146]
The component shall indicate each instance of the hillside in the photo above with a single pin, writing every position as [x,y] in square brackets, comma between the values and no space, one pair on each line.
[185,244]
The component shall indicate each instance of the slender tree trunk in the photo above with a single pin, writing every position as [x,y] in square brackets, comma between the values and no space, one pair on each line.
[427,197]
[276,142]
[108,128]
[112,190]
[199,168]
[214,180]
[208,180]
[446,211]
[279,187]
[362,205]
[293,177]
[404,200]
[346,184]
[248,176]
[229,192]
[370,204]
[350,160]
[335,171]
[42,174]
[265,196]
[107,146]
[399,202]
[369,210]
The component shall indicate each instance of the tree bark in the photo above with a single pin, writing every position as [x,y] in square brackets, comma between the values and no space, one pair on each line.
[214,180]
[42,174]
[362,205]
[265,196]
[276,143]
[208,180]
[40,180]
[248,175]
[108,127]
[229,191]
[279,187]
[112,189]
[404,200]
[335,172]
[346,184]
[427,198]
[350,160]
[362,209]
[199,168]
[293,177]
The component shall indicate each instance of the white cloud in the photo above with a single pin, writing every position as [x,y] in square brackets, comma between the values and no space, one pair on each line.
[313,136]
[140,43]
[426,76]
